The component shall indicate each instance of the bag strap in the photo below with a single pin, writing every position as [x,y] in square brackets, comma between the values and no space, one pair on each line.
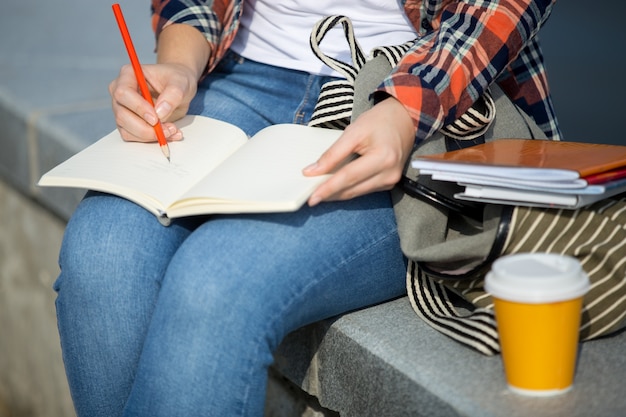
[321,29]
[335,103]
[431,302]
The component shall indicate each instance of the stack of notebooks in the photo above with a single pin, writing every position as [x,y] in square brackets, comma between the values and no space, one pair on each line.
[531,172]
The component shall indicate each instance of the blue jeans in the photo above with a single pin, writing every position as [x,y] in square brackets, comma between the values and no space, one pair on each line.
[183,320]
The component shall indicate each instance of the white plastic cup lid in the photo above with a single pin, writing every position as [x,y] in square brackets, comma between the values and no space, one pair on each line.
[537,278]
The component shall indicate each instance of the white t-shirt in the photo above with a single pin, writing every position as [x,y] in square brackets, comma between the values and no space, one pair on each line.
[277,32]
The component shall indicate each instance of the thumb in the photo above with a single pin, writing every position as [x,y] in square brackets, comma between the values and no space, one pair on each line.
[163,109]
[338,153]
[169,100]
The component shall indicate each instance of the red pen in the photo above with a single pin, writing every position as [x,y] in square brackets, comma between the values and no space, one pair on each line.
[141,80]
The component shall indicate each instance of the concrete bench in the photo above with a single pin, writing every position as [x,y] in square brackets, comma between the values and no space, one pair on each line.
[381,361]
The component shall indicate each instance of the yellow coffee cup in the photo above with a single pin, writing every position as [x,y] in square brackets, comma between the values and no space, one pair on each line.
[538,303]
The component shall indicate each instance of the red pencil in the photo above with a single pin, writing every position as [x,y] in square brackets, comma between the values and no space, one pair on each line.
[141,80]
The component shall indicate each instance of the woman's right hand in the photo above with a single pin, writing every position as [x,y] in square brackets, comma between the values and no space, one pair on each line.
[182,56]
[172,86]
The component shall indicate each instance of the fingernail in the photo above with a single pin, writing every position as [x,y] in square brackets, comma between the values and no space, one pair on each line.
[311,167]
[177,136]
[314,200]
[150,118]
[163,109]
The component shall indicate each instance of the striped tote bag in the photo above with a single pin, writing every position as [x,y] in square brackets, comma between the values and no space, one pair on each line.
[451,244]
[595,235]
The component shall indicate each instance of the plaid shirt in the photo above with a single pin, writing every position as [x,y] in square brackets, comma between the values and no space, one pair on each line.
[461,48]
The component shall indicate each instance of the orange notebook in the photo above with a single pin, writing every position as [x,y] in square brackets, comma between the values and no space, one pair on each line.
[526,159]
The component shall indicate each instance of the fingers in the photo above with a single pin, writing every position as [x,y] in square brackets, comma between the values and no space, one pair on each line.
[338,153]
[134,115]
[171,104]
[383,138]
[170,131]
[177,85]
[370,172]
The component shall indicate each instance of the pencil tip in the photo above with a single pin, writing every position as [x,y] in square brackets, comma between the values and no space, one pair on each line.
[166,151]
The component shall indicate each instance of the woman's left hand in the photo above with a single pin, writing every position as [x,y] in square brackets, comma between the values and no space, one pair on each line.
[382,137]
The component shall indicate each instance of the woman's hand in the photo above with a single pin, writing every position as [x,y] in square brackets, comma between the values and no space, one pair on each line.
[383,138]
[182,56]
[172,85]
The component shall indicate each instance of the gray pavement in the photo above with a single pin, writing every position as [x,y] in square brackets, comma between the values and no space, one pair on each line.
[56,61]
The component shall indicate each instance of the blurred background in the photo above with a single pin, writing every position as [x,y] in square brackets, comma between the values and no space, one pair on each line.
[585,54]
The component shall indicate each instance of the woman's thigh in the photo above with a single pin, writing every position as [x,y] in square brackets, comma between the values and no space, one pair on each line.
[239,284]
[289,269]
[113,257]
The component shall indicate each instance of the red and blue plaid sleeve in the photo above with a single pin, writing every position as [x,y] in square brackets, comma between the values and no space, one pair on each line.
[470,45]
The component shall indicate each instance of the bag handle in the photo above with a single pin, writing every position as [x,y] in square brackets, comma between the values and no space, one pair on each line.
[336,100]
[319,32]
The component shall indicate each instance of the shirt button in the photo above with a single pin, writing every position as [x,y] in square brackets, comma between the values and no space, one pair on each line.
[426,25]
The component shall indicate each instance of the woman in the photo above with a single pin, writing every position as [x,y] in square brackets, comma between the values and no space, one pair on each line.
[183,320]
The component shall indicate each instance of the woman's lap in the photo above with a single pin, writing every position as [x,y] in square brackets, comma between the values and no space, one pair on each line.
[239,284]
[149,308]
